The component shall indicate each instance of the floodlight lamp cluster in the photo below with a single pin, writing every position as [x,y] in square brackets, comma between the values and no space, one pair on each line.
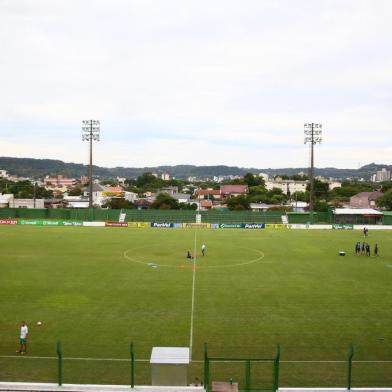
[90,130]
[313,133]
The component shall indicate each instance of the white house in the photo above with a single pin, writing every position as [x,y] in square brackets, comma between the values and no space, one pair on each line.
[130,196]
[182,197]
[27,203]
[76,201]
[6,200]
[287,186]
[98,194]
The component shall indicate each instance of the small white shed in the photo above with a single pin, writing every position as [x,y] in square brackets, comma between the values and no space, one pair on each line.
[169,366]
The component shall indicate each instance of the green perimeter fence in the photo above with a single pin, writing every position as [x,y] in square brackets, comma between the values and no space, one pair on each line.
[161,215]
[248,373]
[97,214]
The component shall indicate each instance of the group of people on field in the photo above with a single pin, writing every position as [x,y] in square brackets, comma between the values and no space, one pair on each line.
[364,248]
[203,252]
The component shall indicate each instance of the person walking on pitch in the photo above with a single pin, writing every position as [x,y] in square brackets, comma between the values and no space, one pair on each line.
[203,250]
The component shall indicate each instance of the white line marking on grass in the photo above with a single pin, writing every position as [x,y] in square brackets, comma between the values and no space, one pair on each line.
[75,358]
[193,297]
[202,267]
[147,360]
[261,257]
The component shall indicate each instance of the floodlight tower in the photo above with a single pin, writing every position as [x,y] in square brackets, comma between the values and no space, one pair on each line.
[312,136]
[90,129]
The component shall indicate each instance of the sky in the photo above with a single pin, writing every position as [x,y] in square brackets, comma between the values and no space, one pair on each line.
[203,82]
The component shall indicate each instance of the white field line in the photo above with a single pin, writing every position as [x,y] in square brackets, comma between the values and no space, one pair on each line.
[193,298]
[147,360]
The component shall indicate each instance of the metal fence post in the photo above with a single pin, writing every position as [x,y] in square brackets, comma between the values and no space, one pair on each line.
[206,368]
[276,369]
[132,365]
[247,376]
[60,363]
[350,366]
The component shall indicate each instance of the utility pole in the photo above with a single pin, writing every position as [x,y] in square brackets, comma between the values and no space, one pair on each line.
[90,129]
[312,136]
[35,192]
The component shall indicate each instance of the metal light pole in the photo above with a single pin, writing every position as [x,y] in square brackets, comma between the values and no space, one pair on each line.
[35,192]
[90,129]
[312,136]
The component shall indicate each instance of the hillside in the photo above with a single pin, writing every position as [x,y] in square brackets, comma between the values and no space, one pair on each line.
[38,168]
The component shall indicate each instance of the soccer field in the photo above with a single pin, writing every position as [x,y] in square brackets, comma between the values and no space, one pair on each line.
[98,289]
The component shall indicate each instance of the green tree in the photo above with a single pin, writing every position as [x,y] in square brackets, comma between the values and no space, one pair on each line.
[147,181]
[320,206]
[321,189]
[297,177]
[252,180]
[385,201]
[240,202]
[349,189]
[24,189]
[165,202]
[300,196]
[186,206]
[386,186]
[118,204]
[76,191]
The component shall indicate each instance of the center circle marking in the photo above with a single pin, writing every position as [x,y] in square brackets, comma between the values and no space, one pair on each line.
[139,260]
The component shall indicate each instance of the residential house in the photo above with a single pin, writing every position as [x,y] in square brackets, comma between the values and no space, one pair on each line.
[130,196]
[6,200]
[205,204]
[233,190]
[27,203]
[365,199]
[183,198]
[59,182]
[208,194]
[171,190]
[286,186]
[98,194]
[55,203]
[76,201]
[259,206]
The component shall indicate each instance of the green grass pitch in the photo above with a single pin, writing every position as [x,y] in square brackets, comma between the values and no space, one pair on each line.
[97,289]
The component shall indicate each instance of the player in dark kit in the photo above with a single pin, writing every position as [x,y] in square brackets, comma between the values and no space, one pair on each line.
[363,248]
[367,250]
[376,250]
[357,248]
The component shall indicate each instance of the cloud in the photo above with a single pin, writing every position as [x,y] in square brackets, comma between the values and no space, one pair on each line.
[237,81]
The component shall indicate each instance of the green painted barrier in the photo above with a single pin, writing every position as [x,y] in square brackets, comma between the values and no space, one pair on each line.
[40,222]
